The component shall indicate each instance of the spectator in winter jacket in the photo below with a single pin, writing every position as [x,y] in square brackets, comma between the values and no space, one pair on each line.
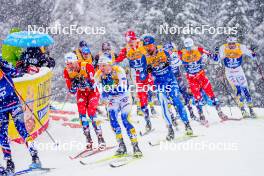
[33,58]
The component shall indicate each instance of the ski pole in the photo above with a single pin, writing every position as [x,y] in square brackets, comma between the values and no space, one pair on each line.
[47,132]
[28,102]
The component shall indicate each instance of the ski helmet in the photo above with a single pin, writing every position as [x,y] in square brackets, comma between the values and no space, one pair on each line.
[148,39]
[83,44]
[105,59]
[70,57]
[106,46]
[231,40]
[130,35]
[188,42]
[85,50]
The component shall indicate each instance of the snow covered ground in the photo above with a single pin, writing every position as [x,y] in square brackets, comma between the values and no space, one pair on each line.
[230,148]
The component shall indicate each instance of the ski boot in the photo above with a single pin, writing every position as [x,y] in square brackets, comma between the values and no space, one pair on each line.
[10,167]
[244,113]
[188,129]
[101,142]
[153,110]
[148,126]
[174,120]
[147,119]
[139,111]
[252,113]
[170,135]
[122,150]
[2,171]
[202,120]
[220,113]
[136,150]
[89,140]
[36,164]
[192,115]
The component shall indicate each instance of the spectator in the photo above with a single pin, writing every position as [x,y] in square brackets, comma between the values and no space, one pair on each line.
[33,58]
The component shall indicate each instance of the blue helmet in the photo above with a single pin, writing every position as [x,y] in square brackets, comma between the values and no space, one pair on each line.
[85,50]
[148,39]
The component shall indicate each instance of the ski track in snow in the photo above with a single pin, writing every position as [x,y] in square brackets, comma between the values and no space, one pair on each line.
[246,137]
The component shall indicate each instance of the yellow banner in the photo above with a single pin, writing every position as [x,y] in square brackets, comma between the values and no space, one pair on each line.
[35,89]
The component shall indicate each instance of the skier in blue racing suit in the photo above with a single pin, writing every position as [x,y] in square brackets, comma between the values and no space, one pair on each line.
[10,105]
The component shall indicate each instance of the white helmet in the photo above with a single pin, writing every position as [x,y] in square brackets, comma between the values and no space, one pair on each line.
[231,40]
[188,42]
[105,59]
[70,57]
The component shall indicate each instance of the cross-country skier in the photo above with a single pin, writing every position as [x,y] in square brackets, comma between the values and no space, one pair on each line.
[165,82]
[113,82]
[193,59]
[80,81]
[83,53]
[133,52]
[106,48]
[175,64]
[231,54]
[10,105]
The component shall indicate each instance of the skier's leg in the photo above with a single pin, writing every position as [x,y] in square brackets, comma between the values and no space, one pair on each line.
[206,85]
[93,101]
[235,82]
[195,89]
[131,132]
[185,94]
[4,120]
[113,109]
[143,97]
[151,103]
[245,91]
[175,95]
[18,117]
[82,105]
[163,101]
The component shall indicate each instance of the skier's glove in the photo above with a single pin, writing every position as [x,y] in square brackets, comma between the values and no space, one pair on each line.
[217,50]
[73,90]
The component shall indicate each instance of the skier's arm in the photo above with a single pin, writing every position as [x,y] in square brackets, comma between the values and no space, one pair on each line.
[247,52]
[122,78]
[90,78]
[68,81]
[221,54]
[203,51]
[9,69]
[176,58]
[121,55]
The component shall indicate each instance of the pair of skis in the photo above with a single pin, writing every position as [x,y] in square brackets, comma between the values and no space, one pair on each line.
[114,161]
[32,171]
[85,153]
